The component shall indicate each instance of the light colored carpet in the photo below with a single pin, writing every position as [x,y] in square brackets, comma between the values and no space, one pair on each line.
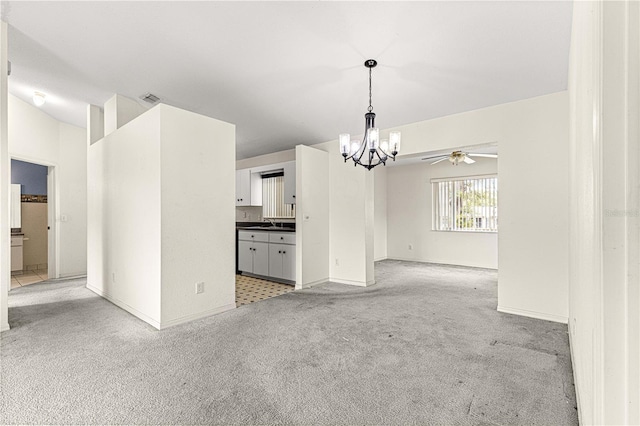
[423,346]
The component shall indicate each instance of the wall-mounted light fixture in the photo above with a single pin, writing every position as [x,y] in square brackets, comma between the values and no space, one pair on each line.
[39,98]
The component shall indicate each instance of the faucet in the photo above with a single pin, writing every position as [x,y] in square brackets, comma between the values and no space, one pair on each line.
[271,221]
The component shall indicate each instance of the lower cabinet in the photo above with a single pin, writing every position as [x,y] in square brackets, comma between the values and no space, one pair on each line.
[282,258]
[253,257]
[270,254]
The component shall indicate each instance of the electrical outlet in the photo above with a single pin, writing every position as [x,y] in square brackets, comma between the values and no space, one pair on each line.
[337,263]
[113,277]
[199,287]
[410,246]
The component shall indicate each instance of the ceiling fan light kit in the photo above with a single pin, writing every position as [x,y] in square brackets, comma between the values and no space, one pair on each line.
[457,157]
[378,152]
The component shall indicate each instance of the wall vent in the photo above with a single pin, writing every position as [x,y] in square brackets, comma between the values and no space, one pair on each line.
[150,97]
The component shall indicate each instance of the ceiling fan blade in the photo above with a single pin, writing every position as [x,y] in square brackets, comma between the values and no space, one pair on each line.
[442,159]
[436,156]
[483,155]
[468,160]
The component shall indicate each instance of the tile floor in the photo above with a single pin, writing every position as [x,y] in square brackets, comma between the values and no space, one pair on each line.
[249,289]
[20,279]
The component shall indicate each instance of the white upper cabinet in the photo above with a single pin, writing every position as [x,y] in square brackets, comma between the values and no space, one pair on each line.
[16,206]
[289,182]
[248,188]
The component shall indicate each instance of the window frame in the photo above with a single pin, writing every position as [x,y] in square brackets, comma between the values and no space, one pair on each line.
[435,203]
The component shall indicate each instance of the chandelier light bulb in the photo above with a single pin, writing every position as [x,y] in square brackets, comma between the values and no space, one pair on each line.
[345,143]
[39,98]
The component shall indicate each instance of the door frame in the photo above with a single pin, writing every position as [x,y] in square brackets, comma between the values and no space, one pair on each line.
[53,237]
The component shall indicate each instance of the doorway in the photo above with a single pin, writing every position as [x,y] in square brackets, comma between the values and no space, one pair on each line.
[33,240]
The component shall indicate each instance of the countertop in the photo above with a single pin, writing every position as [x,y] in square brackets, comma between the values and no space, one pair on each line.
[264,226]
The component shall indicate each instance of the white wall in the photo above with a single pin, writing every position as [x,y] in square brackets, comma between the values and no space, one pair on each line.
[312,217]
[124,217]
[161,218]
[380,213]
[118,111]
[37,137]
[72,188]
[604,325]
[532,136]
[198,215]
[409,208]
[5,182]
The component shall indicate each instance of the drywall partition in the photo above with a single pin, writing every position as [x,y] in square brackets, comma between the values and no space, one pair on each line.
[410,203]
[198,215]
[532,136]
[38,138]
[124,211]
[312,217]
[5,182]
[118,111]
[161,218]
[380,178]
[604,163]
[71,175]
[95,124]
[351,198]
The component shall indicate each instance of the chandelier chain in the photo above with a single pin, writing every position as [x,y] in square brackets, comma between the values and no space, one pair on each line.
[370,107]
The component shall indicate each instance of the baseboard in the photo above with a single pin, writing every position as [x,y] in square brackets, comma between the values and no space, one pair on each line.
[533,314]
[354,283]
[133,311]
[311,284]
[5,327]
[380,259]
[575,377]
[406,259]
[73,275]
[197,316]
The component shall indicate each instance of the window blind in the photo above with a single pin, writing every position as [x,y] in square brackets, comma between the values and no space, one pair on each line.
[465,204]
[273,205]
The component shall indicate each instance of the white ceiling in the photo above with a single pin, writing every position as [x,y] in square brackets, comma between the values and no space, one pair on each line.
[289,72]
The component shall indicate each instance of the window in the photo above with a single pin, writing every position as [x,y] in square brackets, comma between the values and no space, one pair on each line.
[465,204]
[273,206]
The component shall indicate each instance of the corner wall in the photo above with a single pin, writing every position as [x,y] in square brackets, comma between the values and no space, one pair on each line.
[604,161]
[532,137]
[161,216]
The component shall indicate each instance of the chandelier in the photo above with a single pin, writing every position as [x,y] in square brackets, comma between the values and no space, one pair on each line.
[377,151]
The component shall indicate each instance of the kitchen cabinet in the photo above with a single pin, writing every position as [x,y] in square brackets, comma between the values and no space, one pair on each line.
[17,253]
[269,254]
[253,252]
[16,205]
[248,188]
[289,169]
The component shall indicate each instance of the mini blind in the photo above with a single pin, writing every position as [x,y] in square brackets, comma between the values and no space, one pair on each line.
[273,206]
[465,204]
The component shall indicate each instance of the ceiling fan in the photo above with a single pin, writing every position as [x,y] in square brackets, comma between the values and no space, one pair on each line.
[458,156]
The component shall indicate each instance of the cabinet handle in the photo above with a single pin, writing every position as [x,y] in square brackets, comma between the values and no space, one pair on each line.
[294,196]
[282,238]
[279,251]
[284,252]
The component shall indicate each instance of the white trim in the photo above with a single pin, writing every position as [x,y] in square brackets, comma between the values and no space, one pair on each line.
[197,316]
[456,178]
[354,283]
[311,284]
[125,306]
[533,314]
[434,262]
[380,259]
[574,372]
[5,327]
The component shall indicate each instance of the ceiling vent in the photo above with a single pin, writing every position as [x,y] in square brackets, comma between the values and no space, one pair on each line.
[150,97]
